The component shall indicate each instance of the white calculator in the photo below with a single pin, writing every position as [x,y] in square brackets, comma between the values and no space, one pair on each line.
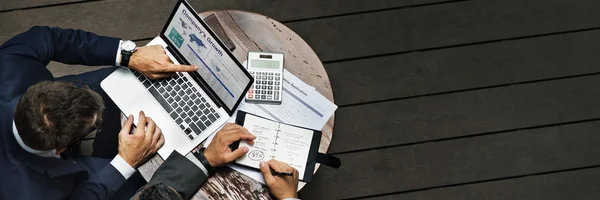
[267,70]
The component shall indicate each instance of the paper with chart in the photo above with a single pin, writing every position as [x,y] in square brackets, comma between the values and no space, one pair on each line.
[301,105]
[277,141]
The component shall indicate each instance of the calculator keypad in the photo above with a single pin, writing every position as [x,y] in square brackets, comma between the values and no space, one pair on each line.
[266,86]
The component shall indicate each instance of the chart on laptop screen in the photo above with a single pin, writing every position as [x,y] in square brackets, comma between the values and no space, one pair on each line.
[217,68]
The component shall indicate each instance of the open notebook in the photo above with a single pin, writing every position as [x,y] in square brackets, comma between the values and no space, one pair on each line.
[290,144]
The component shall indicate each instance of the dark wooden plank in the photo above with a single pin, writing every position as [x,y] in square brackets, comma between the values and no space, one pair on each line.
[132,19]
[460,68]
[442,25]
[458,161]
[303,9]
[466,113]
[124,19]
[580,184]
[364,34]
[20,4]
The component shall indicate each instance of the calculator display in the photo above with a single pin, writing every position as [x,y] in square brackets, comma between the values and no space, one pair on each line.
[265,64]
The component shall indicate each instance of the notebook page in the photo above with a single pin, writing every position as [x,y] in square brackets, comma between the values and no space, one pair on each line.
[293,146]
[266,134]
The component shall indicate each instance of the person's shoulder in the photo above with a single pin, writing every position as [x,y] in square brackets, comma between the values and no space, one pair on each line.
[4,110]
[5,125]
[6,116]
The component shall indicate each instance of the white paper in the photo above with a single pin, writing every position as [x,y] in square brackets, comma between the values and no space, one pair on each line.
[292,146]
[264,144]
[301,105]
[282,142]
[312,112]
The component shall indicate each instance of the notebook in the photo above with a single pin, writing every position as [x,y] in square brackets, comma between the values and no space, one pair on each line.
[290,144]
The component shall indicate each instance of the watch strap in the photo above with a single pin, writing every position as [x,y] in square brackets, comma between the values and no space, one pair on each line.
[125,57]
[200,155]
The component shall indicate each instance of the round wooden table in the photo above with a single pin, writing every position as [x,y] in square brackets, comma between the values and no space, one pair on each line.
[255,32]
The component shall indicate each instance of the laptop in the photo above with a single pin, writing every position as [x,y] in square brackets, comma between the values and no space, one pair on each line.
[188,106]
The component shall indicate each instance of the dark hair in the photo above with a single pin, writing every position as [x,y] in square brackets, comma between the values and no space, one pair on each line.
[54,114]
[157,192]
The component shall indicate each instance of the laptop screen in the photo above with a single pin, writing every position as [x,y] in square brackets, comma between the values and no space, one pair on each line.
[199,46]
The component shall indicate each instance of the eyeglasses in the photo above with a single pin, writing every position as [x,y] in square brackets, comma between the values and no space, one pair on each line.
[97,127]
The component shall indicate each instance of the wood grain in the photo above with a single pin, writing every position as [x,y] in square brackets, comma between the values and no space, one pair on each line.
[578,184]
[459,161]
[467,113]
[376,33]
[225,184]
[461,68]
[304,9]
[249,31]
[20,4]
[402,30]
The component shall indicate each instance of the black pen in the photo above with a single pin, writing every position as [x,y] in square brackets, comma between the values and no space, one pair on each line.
[276,173]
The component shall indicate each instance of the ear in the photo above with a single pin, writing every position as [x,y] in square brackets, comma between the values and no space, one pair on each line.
[60,150]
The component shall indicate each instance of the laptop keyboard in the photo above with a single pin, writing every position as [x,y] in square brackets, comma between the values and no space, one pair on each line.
[192,113]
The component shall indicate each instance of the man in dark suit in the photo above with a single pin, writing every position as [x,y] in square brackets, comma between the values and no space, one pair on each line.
[41,117]
[180,177]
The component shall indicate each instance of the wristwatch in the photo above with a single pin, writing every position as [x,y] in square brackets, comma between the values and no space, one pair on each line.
[127,49]
[209,168]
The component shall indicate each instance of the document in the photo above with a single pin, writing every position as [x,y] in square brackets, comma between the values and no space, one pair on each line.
[278,141]
[301,105]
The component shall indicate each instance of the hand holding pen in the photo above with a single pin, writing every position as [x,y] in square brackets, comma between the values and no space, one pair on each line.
[281,179]
[276,173]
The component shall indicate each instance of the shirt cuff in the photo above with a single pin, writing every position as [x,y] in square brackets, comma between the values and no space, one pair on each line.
[118,57]
[190,156]
[122,166]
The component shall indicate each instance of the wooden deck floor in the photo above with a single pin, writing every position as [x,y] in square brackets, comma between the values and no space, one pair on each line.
[439,99]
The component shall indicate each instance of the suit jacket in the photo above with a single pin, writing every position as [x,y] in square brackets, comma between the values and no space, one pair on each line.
[23,61]
[181,174]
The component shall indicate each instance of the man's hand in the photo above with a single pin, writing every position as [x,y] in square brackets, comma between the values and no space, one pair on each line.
[218,152]
[139,146]
[153,62]
[280,186]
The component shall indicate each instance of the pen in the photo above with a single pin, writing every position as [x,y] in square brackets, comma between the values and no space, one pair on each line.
[276,173]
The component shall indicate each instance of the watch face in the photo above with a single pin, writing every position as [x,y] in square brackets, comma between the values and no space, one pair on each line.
[128,45]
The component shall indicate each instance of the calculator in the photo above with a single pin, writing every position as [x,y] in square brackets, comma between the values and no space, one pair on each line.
[267,70]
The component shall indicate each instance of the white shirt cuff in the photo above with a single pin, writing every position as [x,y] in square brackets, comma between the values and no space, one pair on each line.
[122,166]
[190,156]
[118,57]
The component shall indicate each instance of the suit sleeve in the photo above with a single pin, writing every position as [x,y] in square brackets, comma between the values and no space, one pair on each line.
[69,46]
[100,186]
[181,174]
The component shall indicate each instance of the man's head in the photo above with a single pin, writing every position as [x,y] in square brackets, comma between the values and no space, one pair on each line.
[54,114]
[157,192]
